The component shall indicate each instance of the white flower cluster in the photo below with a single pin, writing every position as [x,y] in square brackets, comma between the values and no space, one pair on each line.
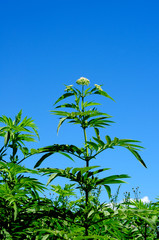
[83,81]
[98,87]
[68,88]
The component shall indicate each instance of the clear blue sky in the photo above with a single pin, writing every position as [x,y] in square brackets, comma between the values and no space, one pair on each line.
[46,44]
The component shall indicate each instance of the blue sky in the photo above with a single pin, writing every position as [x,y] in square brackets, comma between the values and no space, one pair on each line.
[46,44]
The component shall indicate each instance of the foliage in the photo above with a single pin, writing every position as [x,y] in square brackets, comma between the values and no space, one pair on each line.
[74,211]
[16,132]
[86,114]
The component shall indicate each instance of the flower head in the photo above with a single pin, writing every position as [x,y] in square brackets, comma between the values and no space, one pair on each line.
[98,87]
[83,81]
[68,88]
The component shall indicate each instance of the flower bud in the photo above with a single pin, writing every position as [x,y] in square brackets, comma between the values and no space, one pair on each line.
[68,88]
[98,87]
[83,81]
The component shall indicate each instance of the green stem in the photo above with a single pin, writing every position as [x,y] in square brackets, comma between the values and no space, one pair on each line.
[87,154]
[84,128]
[87,161]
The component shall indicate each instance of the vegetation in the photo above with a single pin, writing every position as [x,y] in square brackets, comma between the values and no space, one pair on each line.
[75,211]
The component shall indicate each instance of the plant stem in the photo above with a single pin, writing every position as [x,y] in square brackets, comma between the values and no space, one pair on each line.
[87,161]
[87,154]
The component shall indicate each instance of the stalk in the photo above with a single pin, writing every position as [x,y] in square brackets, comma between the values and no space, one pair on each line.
[87,161]
[87,154]
[84,129]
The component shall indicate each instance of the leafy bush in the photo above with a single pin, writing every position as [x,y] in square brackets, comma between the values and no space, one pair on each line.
[75,212]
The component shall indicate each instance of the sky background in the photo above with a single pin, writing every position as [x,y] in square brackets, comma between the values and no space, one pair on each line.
[46,44]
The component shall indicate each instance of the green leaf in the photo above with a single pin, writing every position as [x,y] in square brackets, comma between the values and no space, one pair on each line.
[15,210]
[100,170]
[115,181]
[60,123]
[108,189]
[34,151]
[116,140]
[54,232]
[151,223]
[6,138]
[42,159]
[25,150]
[65,95]
[67,105]
[108,139]
[51,178]
[137,156]
[97,132]
[103,93]
[112,179]
[101,143]
[85,169]
[18,117]
[74,170]
[66,155]
[61,113]
[91,237]
[94,145]
[2,120]
[94,113]
[87,104]
[86,91]
[128,141]
[46,237]
[90,213]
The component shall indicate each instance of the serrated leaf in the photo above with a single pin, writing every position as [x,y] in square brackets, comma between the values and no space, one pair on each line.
[103,93]
[65,95]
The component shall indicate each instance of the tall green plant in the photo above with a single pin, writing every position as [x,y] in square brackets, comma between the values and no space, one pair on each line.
[19,194]
[16,133]
[85,113]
